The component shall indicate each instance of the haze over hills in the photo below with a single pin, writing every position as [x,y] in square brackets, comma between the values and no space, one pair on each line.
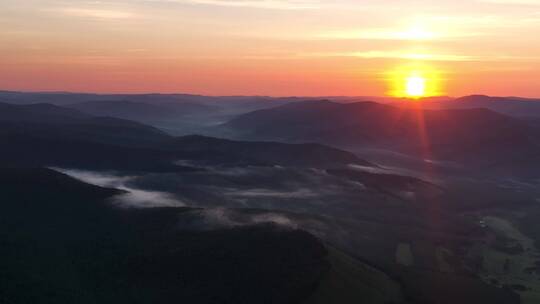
[179,114]
[50,135]
[97,102]
[39,113]
[348,124]
[346,226]
[461,135]
[514,106]
[184,114]
[138,110]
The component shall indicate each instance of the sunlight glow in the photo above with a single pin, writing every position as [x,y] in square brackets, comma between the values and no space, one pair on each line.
[415,81]
[416,33]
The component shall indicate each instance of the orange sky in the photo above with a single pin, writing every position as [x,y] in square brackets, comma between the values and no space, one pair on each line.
[272,47]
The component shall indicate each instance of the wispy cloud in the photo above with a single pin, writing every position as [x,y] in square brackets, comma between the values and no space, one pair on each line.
[415,56]
[398,55]
[410,33]
[412,56]
[263,4]
[96,13]
[513,2]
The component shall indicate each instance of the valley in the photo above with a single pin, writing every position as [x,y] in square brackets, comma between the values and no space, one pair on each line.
[313,222]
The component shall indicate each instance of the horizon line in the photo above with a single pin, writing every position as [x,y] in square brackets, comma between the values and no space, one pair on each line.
[247,95]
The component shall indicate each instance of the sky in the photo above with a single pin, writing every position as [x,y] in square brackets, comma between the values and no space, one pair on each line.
[271,47]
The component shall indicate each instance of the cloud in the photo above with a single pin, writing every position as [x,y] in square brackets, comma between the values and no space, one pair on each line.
[96,13]
[416,32]
[411,56]
[414,56]
[513,2]
[260,4]
[400,55]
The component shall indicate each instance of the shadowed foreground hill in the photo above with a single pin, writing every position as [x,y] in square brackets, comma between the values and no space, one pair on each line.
[60,243]
[63,242]
[296,155]
[56,123]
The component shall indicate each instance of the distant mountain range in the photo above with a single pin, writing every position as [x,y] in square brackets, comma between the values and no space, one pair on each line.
[48,135]
[464,135]
[178,114]
[476,129]
[185,114]
[514,106]
[141,111]
[182,103]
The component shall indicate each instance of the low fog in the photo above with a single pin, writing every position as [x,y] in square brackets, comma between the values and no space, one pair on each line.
[134,197]
[338,210]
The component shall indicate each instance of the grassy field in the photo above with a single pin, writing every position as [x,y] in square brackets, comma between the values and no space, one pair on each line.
[443,255]
[350,281]
[508,259]
[404,255]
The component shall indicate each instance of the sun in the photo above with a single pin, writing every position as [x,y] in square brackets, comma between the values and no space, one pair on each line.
[415,81]
[415,86]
